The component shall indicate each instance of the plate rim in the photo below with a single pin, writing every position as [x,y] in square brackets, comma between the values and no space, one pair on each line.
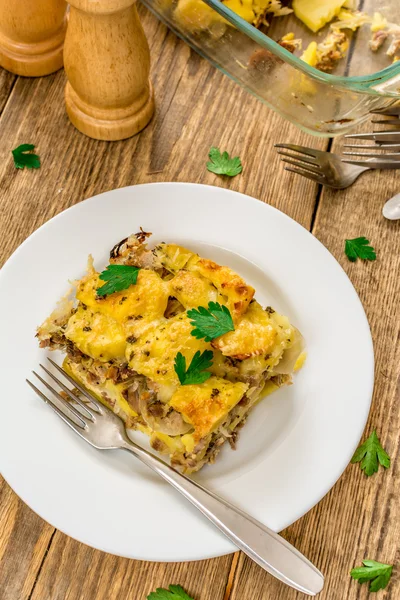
[248,199]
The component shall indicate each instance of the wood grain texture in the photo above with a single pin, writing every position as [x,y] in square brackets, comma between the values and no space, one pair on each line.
[100,576]
[360,517]
[7,81]
[32,36]
[174,147]
[197,108]
[24,538]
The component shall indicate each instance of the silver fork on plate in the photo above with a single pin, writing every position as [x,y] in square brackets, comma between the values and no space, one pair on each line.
[104,430]
[327,168]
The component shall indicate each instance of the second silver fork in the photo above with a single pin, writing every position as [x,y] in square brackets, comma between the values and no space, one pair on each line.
[324,168]
[385,139]
[327,168]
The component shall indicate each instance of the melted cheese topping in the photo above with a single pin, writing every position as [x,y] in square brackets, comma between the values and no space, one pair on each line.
[258,333]
[254,334]
[300,361]
[130,326]
[143,326]
[146,300]
[206,405]
[102,330]
[153,353]
[236,293]
[195,15]
[131,323]
[316,14]
[193,290]
[173,257]
[205,280]
[96,334]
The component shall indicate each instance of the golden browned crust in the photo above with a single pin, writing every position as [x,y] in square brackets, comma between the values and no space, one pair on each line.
[123,346]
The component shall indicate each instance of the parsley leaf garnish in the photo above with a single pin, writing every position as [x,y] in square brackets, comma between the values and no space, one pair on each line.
[359,248]
[22,159]
[176,592]
[196,372]
[118,278]
[369,454]
[222,164]
[377,573]
[212,322]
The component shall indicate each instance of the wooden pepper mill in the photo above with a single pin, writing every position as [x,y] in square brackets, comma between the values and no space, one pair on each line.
[32,35]
[107,61]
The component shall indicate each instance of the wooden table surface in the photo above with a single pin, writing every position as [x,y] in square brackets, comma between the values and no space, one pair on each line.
[198,107]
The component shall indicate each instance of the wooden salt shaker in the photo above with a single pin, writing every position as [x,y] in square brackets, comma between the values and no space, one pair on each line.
[107,61]
[32,35]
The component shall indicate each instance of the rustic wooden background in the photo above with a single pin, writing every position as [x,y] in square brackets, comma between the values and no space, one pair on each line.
[198,107]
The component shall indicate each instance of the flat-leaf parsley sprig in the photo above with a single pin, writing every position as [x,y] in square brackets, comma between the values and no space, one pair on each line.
[23,157]
[118,278]
[371,454]
[174,592]
[212,322]
[377,573]
[223,164]
[359,248]
[196,372]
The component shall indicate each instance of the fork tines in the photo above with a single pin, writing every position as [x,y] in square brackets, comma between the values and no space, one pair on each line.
[327,168]
[67,409]
[374,163]
[376,136]
[391,111]
[376,146]
[393,117]
[304,161]
[389,135]
[389,121]
[384,141]
[391,155]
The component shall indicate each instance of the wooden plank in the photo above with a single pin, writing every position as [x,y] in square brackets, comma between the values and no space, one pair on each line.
[23,542]
[207,109]
[101,576]
[232,575]
[24,536]
[360,517]
[197,107]
[7,81]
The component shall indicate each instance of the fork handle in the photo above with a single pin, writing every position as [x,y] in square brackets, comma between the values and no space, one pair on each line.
[261,544]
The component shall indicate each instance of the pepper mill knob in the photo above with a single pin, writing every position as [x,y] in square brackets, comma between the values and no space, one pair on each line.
[32,35]
[107,62]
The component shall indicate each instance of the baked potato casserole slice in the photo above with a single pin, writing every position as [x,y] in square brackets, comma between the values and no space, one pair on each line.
[175,344]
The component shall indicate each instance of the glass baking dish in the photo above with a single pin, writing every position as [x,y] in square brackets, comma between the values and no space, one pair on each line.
[319,103]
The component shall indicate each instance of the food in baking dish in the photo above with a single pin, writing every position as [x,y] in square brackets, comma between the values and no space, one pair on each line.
[175,344]
[342,18]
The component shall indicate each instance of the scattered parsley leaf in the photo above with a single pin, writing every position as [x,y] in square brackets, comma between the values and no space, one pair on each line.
[370,453]
[359,248]
[377,573]
[176,592]
[212,322]
[118,278]
[23,159]
[196,372]
[222,164]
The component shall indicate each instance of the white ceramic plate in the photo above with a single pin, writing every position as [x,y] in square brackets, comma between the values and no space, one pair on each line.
[296,443]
